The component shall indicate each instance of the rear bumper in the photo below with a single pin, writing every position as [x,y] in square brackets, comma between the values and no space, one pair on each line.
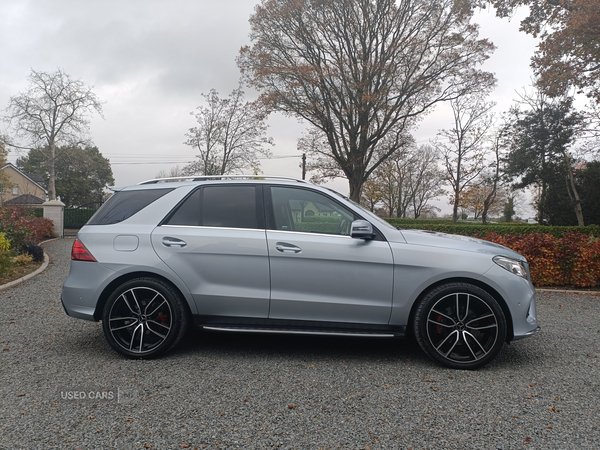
[83,287]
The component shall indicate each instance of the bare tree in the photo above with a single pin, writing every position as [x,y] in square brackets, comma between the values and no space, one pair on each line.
[463,147]
[362,70]
[371,195]
[492,178]
[425,180]
[389,176]
[4,181]
[320,161]
[171,173]
[53,112]
[407,183]
[484,197]
[230,136]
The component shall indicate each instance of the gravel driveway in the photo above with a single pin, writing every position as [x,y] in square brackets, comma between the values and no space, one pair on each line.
[239,391]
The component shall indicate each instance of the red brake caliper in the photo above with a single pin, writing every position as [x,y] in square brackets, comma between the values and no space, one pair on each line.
[162,318]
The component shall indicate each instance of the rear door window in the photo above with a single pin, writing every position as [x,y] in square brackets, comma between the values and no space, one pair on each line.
[221,206]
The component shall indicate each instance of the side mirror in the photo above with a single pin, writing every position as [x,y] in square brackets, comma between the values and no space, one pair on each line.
[361,229]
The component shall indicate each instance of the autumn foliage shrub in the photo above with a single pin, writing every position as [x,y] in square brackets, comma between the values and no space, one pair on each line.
[571,260]
[20,232]
[20,226]
[557,256]
[41,228]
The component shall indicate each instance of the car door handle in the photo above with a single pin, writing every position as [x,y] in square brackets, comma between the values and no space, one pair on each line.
[173,242]
[284,247]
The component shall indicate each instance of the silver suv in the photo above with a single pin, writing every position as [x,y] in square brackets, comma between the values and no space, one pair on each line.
[274,255]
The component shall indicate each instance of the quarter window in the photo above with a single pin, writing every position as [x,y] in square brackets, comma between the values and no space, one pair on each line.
[124,204]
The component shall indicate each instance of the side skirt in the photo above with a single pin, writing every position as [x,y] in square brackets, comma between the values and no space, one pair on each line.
[277,326]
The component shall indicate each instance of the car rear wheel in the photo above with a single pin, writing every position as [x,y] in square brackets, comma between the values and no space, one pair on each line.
[460,326]
[144,318]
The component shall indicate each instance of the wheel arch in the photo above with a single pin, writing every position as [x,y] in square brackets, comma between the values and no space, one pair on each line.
[486,287]
[109,289]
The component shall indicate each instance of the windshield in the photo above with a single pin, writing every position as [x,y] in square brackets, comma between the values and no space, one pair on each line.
[372,217]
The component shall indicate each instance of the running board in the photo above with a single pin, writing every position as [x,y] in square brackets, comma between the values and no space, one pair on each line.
[344,333]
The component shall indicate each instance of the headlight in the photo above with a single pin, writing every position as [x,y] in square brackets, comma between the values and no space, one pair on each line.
[512,265]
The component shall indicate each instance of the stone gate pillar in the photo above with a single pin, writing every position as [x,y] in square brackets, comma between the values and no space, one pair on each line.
[55,211]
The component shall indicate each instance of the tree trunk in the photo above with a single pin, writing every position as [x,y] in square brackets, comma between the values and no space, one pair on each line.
[455,208]
[572,189]
[51,178]
[355,186]
[487,203]
[541,203]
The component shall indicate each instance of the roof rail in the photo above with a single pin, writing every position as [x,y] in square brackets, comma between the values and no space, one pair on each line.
[219,177]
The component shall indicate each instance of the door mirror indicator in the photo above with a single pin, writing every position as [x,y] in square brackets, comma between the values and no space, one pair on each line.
[361,229]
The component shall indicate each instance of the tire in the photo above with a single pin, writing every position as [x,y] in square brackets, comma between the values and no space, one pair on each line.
[144,318]
[460,326]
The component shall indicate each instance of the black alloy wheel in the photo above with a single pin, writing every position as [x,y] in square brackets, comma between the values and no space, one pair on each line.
[460,326]
[144,318]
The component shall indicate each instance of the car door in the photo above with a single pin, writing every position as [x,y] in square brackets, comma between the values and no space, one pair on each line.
[215,242]
[318,272]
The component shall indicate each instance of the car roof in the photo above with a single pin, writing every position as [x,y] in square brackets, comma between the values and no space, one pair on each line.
[175,182]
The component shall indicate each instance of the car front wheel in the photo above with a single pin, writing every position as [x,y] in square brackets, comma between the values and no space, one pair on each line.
[144,318]
[460,326]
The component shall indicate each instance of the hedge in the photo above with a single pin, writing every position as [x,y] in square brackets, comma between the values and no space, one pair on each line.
[322,219]
[557,256]
[406,221]
[570,260]
[76,218]
[316,227]
[473,229]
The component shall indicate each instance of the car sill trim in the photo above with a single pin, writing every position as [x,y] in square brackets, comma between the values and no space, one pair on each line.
[312,332]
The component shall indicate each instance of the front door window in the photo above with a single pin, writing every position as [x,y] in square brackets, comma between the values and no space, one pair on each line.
[308,211]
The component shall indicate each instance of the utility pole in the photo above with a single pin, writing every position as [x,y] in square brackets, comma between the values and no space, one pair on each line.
[304,166]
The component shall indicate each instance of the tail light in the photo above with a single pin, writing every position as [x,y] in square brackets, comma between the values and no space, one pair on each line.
[80,253]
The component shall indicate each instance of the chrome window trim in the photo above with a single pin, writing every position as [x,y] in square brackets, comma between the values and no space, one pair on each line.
[211,228]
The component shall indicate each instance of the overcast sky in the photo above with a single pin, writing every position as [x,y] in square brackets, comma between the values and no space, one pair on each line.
[150,61]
